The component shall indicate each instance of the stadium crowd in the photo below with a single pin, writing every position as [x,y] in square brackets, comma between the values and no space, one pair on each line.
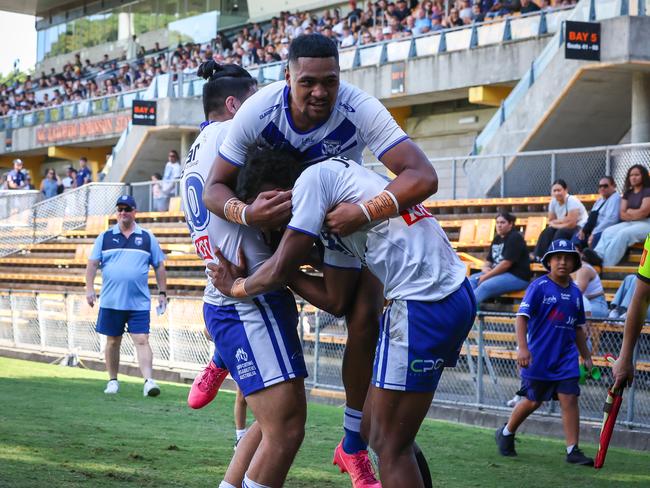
[254,45]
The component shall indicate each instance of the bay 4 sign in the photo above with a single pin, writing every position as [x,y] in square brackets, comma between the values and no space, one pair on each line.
[582,40]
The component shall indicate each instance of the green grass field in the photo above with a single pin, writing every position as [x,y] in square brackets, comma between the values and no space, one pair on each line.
[57,428]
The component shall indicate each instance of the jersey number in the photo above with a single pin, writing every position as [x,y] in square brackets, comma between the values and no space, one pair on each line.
[341,159]
[198,216]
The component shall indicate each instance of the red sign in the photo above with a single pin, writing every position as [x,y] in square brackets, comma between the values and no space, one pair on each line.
[70,131]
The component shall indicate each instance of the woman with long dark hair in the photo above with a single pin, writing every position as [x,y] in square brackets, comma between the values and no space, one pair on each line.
[635,218]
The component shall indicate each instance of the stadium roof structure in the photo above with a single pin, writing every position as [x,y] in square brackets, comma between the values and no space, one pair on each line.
[37,7]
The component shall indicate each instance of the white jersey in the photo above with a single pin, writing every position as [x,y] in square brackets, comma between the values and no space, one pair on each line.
[410,254]
[357,120]
[208,230]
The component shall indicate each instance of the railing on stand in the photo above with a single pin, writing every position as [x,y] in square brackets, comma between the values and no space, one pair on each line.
[51,218]
[155,196]
[13,201]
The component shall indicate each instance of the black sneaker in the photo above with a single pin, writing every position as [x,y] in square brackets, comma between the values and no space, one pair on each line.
[592,257]
[505,443]
[576,456]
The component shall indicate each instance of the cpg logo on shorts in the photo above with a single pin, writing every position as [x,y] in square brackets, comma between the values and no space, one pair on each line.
[424,366]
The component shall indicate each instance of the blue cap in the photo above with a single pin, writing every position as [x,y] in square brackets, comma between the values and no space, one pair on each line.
[561,246]
[126,200]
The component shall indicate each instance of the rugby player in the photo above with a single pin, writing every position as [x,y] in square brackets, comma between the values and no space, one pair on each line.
[431,303]
[256,339]
[316,116]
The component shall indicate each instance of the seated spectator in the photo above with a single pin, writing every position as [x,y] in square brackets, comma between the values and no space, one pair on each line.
[422,23]
[465,12]
[635,217]
[623,298]
[453,20]
[587,279]
[604,214]
[507,266]
[50,184]
[566,216]
[17,177]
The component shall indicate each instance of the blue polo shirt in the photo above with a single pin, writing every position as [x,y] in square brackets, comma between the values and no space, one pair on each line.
[125,267]
[554,313]
[82,174]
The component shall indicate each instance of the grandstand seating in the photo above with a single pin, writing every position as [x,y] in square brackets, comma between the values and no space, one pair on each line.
[60,263]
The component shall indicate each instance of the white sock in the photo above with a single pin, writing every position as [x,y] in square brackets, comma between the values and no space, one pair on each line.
[570,448]
[352,419]
[225,484]
[505,431]
[248,483]
[239,433]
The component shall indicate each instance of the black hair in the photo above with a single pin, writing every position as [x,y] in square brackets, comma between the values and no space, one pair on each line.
[224,80]
[560,182]
[312,46]
[508,216]
[608,178]
[277,167]
[645,178]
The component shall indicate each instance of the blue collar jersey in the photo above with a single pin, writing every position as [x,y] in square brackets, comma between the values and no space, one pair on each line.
[358,120]
[125,267]
[553,314]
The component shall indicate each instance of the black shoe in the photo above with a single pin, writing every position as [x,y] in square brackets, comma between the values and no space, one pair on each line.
[505,443]
[592,257]
[578,457]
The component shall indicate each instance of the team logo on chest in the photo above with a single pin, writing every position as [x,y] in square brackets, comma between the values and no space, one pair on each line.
[331,147]
[138,241]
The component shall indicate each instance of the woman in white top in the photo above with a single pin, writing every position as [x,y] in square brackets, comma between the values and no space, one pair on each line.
[591,287]
[566,216]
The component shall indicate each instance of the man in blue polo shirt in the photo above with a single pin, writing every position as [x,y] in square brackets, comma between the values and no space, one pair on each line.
[84,175]
[124,253]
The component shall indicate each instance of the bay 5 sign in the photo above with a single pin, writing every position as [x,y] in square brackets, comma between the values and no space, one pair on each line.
[582,40]
[143,112]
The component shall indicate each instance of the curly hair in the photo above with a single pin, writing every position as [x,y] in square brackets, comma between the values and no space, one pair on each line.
[279,168]
[224,80]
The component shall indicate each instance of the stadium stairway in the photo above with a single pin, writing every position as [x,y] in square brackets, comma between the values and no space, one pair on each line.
[553,106]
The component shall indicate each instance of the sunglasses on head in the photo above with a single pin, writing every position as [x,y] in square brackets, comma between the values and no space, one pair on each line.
[124,209]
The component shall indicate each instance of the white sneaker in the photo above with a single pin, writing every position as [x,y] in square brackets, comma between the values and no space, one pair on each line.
[513,401]
[150,388]
[112,387]
[614,314]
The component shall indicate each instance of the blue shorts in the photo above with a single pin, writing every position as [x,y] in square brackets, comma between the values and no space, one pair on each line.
[258,340]
[417,340]
[112,322]
[544,391]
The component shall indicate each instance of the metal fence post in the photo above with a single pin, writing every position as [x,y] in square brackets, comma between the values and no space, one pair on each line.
[453,179]
[316,346]
[608,162]
[502,187]
[632,393]
[41,321]
[170,336]
[479,364]
[553,161]
[14,324]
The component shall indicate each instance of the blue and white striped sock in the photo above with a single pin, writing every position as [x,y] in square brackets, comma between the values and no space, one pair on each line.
[352,442]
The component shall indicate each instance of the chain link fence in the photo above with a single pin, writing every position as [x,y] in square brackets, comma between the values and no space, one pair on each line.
[532,173]
[53,217]
[486,375]
[154,196]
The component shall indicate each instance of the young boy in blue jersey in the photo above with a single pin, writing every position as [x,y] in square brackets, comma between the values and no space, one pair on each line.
[551,331]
